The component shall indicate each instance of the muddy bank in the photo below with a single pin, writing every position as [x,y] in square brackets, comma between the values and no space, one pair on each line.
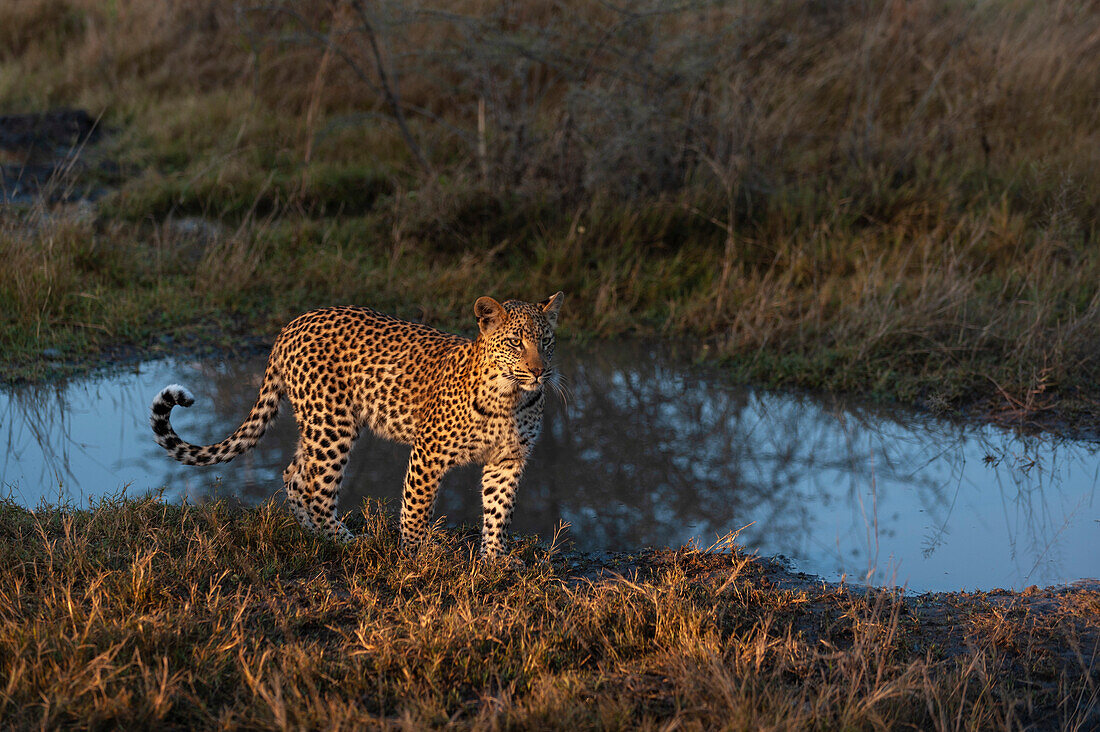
[946,623]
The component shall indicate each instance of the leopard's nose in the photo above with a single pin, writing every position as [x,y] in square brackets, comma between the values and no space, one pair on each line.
[536,371]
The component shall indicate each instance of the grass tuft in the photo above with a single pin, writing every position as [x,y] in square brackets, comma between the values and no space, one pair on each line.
[139,613]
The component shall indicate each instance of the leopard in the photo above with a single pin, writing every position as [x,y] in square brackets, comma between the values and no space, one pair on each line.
[453,399]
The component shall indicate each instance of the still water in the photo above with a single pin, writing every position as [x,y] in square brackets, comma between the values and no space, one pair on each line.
[649,451]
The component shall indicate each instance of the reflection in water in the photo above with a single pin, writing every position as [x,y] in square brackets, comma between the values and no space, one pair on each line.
[649,452]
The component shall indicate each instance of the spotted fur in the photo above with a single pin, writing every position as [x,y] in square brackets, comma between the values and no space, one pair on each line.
[455,400]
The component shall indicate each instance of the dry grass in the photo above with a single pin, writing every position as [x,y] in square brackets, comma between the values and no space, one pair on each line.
[138,613]
[869,107]
[895,198]
[899,198]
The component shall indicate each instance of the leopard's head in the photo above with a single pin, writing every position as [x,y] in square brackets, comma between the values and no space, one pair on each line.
[518,340]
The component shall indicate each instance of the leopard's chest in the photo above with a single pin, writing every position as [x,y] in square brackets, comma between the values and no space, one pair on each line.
[490,433]
[502,439]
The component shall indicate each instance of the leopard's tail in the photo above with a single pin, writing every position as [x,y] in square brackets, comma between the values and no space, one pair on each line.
[242,439]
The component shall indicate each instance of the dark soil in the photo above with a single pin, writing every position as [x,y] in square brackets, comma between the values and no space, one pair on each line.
[45,157]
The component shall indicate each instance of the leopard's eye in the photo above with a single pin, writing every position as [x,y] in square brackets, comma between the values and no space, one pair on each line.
[513,342]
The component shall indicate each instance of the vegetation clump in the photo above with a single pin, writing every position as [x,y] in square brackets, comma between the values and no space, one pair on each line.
[137,613]
[893,198]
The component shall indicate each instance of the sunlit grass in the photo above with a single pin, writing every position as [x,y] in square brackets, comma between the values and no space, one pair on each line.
[137,612]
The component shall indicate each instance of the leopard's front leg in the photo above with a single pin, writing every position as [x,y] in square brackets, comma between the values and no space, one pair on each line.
[499,481]
[426,469]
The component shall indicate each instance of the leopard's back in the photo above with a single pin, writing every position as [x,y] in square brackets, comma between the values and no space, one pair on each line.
[383,369]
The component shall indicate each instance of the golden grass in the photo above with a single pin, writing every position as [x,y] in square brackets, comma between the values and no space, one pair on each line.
[138,613]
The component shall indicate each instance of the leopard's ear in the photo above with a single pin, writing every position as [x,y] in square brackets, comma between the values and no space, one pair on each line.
[490,314]
[551,306]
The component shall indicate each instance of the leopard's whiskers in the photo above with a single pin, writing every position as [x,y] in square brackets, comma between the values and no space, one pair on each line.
[560,383]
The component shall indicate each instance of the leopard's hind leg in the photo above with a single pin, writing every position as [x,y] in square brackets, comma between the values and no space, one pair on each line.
[291,476]
[324,442]
[425,471]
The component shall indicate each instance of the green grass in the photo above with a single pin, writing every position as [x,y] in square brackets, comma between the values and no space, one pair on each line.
[899,202]
[136,613]
[941,318]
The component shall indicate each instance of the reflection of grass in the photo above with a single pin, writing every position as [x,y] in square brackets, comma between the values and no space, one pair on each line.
[841,196]
[138,613]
